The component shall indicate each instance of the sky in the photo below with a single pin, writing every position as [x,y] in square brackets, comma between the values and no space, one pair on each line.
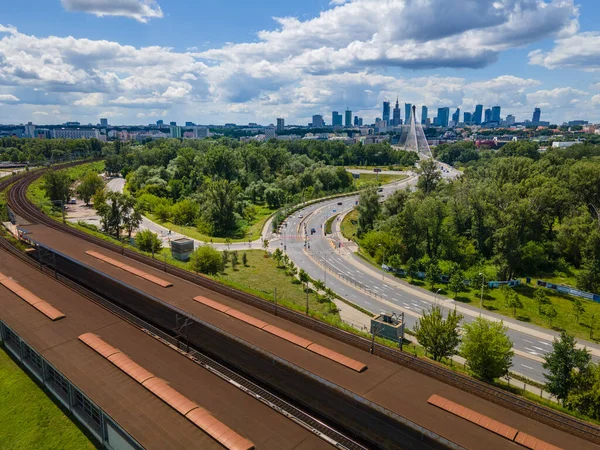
[138,61]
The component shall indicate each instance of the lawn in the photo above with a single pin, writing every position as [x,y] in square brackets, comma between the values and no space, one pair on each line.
[383,178]
[350,225]
[329,224]
[252,231]
[262,276]
[29,419]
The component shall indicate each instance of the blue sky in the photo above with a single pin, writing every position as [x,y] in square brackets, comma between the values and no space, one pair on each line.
[136,61]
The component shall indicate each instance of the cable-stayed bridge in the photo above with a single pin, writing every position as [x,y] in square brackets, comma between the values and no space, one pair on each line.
[413,137]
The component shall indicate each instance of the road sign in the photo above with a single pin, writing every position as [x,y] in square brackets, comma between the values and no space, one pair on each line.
[376,170]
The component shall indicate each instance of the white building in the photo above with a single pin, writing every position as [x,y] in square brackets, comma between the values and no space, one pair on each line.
[30,130]
[200,132]
[75,133]
[563,144]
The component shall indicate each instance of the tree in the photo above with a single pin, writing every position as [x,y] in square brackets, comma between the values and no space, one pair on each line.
[206,259]
[513,301]
[487,349]
[303,277]
[433,274]
[437,335]
[412,268]
[111,214]
[147,241]
[224,259]
[130,215]
[234,259]
[368,210]
[540,297]
[578,308]
[274,197]
[561,364]
[278,256]
[429,176]
[457,283]
[245,259]
[319,285]
[57,185]
[549,312]
[90,184]
[220,204]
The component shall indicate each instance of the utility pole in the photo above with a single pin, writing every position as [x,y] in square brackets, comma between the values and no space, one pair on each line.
[307,298]
[481,300]
[275,300]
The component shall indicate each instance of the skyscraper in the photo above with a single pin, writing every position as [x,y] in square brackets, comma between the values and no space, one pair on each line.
[160,123]
[487,115]
[468,118]
[280,124]
[336,119]
[356,122]
[317,121]
[496,114]
[424,112]
[396,120]
[443,117]
[407,113]
[386,112]
[348,121]
[478,115]
[456,116]
[510,120]
[103,123]
[537,115]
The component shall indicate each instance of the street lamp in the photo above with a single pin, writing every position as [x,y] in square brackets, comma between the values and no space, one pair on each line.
[383,262]
[436,294]
[482,284]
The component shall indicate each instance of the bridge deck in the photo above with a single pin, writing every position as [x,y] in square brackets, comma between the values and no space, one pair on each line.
[392,386]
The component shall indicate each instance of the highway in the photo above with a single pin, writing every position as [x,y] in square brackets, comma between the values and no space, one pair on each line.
[354,279]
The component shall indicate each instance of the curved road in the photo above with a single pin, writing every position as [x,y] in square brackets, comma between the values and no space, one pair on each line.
[331,259]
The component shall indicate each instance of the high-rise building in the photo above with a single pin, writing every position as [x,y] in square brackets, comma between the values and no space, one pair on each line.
[456,116]
[348,121]
[270,133]
[496,114]
[175,131]
[336,119]
[29,130]
[103,123]
[190,124]
[443,117]
[537,115]
[424,113]
[407,112]
[386,112]
[280,124]
[397,119]
[317,121]
[355,121]
[487,116]
[510,120]
[478,115]
[160,123]
[360,121]
[468,120]
[173,124]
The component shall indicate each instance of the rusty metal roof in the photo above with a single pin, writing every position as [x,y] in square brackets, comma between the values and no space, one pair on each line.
[187,408]
[510,433]
[128,268]
[41,305]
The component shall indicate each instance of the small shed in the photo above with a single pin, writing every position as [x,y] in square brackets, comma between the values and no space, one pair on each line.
[181,249]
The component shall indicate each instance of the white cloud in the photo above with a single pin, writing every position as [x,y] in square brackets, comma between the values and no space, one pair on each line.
[39,113]
[581,51]
[8,98]
[90,100]
[140,10]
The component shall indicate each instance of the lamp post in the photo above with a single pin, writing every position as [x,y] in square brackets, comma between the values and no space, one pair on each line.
[383,262]
[436,296]
[481,299]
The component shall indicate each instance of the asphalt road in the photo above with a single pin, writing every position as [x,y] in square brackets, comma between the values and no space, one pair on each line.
[327,262]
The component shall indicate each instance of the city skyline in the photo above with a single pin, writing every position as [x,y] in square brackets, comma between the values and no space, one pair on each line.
[150,61]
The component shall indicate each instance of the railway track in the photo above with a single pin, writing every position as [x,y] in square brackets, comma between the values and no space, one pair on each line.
[23,207]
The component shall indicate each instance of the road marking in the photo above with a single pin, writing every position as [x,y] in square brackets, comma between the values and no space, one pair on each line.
[527,367]
[545,343]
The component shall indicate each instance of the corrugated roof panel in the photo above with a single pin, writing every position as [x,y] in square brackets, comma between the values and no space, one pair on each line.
[246,318]
[170,396]
[130,269]
[97,344]
[212,304]
[29,297]
[190,410]
[533,443]
[294,339]
[338,357]
[510,433]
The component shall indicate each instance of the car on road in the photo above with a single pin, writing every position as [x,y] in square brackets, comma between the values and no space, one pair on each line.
[340,203]
[380,190]
[300,216]
[312,231]
[72,201]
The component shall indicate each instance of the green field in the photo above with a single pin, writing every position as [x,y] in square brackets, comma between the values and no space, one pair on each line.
[31,420]
[350,225]
[383,178]
[252,231]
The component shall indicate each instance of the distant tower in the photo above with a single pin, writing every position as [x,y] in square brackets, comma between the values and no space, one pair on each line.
[280,124]
[407,111]
[396,120]
[424,115]
[348,121]
[537,115]
[414,113]
[386,112]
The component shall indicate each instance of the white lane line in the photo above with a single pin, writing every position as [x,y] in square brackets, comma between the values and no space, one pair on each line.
[531,351]
[545,343]
[537,348]
[527,367]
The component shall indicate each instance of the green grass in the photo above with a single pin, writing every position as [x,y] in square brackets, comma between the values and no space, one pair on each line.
[366,178]
[31,420]
[252,231]
[350,225]
[383,168]
[329,224]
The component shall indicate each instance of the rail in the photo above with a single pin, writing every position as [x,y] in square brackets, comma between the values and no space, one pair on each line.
[19,202]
